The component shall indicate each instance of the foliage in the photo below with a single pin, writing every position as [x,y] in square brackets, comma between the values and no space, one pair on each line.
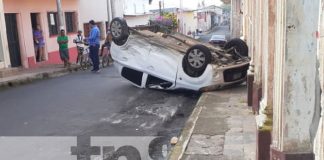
[167,20]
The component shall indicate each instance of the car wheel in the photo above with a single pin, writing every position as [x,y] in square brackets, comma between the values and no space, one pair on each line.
[196,60]
[239,45]
[119,30]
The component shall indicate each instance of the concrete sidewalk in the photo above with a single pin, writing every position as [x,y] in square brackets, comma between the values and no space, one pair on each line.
[221,127]
[14,77]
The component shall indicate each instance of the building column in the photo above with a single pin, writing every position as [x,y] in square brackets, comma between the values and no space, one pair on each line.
[257,55]
[4,52]
[319,139]
[295,86]
[250,75]
[265,114]
[235,18]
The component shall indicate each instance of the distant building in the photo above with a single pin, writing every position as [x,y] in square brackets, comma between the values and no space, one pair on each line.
[136,12]
[209,16]
[189,23]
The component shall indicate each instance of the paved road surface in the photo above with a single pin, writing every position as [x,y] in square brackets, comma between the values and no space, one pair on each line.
[92,104]
[215,30]
[84,104]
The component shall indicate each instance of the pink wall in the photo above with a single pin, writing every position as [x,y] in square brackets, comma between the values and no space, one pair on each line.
[24,8]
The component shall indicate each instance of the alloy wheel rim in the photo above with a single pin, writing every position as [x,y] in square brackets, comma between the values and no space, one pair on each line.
[116,29]
[196,58]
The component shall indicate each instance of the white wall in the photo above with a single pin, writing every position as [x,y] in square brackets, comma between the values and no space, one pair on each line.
[135,7]
[133,21]
[189,22]
[118,7]
[4,55]
[205,26]
[89,10]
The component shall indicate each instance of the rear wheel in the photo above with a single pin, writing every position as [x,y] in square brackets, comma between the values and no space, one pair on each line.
[119,30]
[196,60]
[239,45]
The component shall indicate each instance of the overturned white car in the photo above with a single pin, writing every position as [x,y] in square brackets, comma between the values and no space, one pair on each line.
[175,61]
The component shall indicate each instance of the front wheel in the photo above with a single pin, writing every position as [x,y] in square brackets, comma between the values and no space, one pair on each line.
[196,60]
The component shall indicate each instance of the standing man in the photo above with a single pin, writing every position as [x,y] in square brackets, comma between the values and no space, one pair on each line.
[63,40]
[94,42]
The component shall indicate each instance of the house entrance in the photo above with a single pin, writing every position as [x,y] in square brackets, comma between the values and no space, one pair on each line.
[13,39]
[37,31]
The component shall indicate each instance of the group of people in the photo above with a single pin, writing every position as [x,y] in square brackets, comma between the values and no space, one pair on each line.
[93,40]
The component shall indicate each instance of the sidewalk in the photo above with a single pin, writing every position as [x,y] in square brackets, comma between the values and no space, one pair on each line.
[221,127]
[13,77]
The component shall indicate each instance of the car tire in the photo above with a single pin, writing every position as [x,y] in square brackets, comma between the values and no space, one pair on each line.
[239,45]
[119,30]
[196,60]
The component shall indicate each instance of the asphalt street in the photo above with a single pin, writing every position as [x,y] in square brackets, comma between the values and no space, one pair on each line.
[223,30]
[84,103]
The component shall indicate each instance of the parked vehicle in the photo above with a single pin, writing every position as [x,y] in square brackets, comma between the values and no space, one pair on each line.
[175,61]
[218,40]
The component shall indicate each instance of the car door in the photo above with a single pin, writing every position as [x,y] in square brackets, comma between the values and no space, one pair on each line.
[162,64]
[132,56]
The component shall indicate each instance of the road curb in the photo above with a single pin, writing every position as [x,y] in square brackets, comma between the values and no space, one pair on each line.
[179,149]
[37,76]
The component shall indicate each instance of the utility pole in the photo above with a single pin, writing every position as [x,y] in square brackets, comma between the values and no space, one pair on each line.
[60,14]
[181,17]
[160,6]
[109,10]
[163,4]
[112,8]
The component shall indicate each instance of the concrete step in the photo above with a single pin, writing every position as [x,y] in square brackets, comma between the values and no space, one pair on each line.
[10,72]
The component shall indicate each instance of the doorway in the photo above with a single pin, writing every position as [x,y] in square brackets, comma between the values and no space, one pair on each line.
[35,21]
[13,39]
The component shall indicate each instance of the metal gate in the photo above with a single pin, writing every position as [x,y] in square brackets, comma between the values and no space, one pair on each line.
[13,39]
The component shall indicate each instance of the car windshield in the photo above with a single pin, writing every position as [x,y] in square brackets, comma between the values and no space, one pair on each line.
[218,37]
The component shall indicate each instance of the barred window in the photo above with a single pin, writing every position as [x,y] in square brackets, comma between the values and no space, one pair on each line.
[52,23]
[70,21]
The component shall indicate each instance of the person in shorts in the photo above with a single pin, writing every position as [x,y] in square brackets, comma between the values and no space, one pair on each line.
[39,43]
[106,44]
[63,40]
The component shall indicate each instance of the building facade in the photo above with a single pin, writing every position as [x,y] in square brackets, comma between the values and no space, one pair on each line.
[4,52]
[21,18]
[97,11]
[236,18]
[136,12]
[187,19]
[286,76]
[209,17]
